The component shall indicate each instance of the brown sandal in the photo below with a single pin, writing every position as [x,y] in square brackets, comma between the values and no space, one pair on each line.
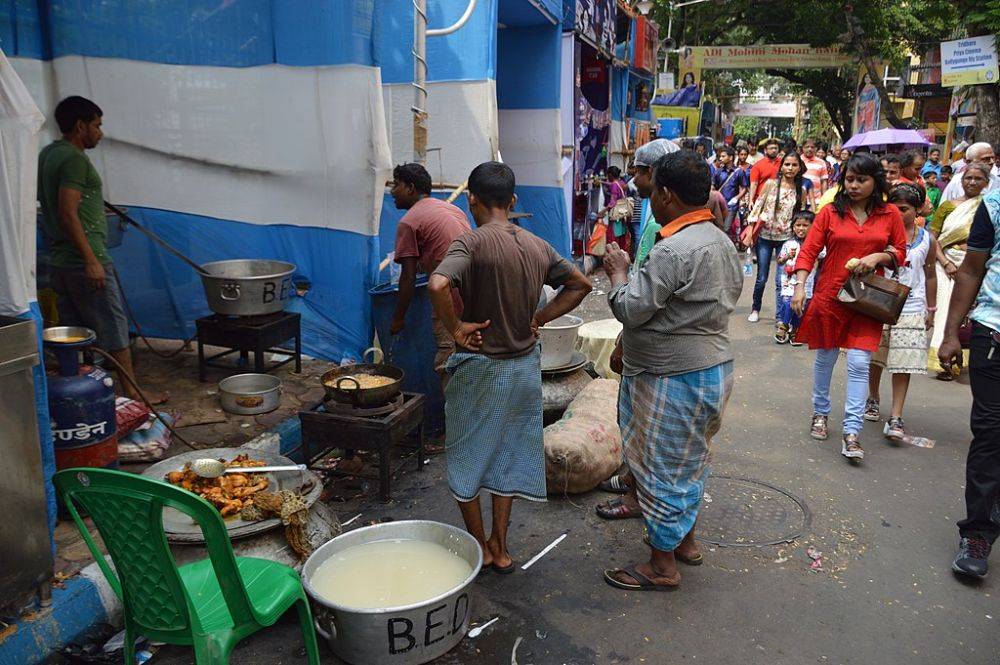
[643,583]
[615,509]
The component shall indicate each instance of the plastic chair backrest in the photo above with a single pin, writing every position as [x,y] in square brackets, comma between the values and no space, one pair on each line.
[128,512]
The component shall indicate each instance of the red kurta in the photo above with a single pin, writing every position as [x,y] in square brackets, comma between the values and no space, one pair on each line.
[828,324]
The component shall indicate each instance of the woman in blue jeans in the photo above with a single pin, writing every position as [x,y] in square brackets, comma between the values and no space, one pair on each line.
[771,223]
[862,233]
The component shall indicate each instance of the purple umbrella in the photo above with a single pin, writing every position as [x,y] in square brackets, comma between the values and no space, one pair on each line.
[880,138]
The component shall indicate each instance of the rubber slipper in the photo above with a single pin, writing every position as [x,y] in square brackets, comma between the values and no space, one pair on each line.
[615,509]
[644,583]
[690,561]
[614,485]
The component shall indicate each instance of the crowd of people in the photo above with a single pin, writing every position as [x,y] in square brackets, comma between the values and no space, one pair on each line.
[821,219]
[672,257]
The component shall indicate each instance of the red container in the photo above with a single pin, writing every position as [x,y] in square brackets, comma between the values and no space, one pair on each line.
[103,454]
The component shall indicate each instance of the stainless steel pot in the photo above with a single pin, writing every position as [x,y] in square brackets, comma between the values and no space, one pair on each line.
[406,635]
[247,287]
[250,394]
[558,339]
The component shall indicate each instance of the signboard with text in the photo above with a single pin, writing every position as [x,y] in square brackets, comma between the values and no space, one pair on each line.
[766,109]
[969,61]
[783,56]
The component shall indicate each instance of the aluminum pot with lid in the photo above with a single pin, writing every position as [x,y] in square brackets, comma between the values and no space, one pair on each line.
[248,287]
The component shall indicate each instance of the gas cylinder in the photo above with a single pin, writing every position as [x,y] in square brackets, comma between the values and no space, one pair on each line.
[81,403]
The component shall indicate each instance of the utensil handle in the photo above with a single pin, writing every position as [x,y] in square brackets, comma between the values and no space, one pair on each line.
[263,469]
[374,350]
[155,238]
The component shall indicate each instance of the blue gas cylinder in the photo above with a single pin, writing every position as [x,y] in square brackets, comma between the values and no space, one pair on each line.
[81,404]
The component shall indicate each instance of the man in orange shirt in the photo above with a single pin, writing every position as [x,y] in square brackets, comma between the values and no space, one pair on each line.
[764,168]
[816,167]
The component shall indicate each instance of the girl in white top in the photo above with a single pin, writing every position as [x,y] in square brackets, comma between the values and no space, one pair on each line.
[903,350]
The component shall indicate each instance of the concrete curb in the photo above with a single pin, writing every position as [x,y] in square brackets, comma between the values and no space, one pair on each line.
[76,610]
[87,601]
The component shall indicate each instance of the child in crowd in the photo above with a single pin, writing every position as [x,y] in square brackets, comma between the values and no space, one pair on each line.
[933,191]
[787,321]
[944,178]
[903,349]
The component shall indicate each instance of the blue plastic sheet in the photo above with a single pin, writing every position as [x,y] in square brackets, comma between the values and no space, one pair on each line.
[517,13]
[225,33]
[528,67]
[546,204]
[44,426]
[619,92]
[166,295]
[468,54]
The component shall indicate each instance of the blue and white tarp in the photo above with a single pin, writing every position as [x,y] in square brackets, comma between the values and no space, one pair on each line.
[257,129]
[235,129]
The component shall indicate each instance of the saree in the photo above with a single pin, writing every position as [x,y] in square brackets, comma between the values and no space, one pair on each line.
[954,234]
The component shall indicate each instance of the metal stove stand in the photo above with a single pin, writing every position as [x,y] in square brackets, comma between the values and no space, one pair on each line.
[246,334]
[329,425]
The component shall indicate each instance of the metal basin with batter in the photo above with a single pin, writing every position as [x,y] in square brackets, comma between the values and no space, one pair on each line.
[407,635]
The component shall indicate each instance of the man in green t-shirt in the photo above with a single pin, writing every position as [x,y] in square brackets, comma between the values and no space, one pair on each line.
[75,226]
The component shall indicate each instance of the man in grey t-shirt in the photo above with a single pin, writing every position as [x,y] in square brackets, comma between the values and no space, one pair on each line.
[678,368]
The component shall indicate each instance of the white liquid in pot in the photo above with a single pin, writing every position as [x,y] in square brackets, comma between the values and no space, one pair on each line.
[389,573]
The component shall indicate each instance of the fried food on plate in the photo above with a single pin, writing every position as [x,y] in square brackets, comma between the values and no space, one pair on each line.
[231,492]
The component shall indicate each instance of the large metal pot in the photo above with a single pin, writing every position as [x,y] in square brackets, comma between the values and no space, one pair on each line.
[341,386]
[558,339]
[406,635]
[247,287]
[250,394]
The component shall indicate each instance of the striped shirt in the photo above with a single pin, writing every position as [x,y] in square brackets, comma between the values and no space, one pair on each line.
[675,309]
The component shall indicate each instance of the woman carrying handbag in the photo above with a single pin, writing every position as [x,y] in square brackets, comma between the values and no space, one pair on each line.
[771,224]
[862,230]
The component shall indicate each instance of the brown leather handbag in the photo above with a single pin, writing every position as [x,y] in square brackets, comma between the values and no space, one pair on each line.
[879,297]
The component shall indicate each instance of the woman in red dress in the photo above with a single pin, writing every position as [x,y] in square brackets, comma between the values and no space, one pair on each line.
[858,225]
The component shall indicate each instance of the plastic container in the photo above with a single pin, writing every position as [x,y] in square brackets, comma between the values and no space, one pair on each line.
[413,349]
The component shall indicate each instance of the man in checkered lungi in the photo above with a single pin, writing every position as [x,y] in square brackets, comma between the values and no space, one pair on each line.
[677,364]
[493,409]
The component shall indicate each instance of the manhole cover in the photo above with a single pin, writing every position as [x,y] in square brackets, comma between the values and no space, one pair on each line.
[741,512]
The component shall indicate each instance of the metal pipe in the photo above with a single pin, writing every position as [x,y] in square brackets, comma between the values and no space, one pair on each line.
[463,19]
[420,35]
[419,81]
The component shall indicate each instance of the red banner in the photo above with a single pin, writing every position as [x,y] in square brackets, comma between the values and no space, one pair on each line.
[644,52]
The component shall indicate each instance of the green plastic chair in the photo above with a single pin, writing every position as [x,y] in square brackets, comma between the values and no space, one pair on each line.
[211,604]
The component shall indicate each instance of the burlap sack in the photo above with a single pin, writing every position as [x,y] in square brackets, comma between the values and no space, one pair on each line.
[585,446]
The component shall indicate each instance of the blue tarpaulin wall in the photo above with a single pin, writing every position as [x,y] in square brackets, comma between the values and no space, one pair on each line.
[339,264]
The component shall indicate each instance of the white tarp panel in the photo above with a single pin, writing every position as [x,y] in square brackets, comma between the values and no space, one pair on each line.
[303,146]
[462,126]
[530,140]
[20,122]
[617,143]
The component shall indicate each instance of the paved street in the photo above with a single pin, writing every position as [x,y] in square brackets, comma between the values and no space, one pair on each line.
[886,530]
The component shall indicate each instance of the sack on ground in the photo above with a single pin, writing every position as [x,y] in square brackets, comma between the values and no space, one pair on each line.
[585,446]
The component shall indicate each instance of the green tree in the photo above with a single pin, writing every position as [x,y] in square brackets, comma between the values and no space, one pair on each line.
[872,31]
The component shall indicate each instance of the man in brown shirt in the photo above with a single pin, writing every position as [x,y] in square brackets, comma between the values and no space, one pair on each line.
[493,409]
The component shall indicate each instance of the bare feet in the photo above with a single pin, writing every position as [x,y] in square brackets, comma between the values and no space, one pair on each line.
[487,556]
[499,556]
[688,548]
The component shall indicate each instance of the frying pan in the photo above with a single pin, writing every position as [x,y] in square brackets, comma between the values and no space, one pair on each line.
[342,386]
